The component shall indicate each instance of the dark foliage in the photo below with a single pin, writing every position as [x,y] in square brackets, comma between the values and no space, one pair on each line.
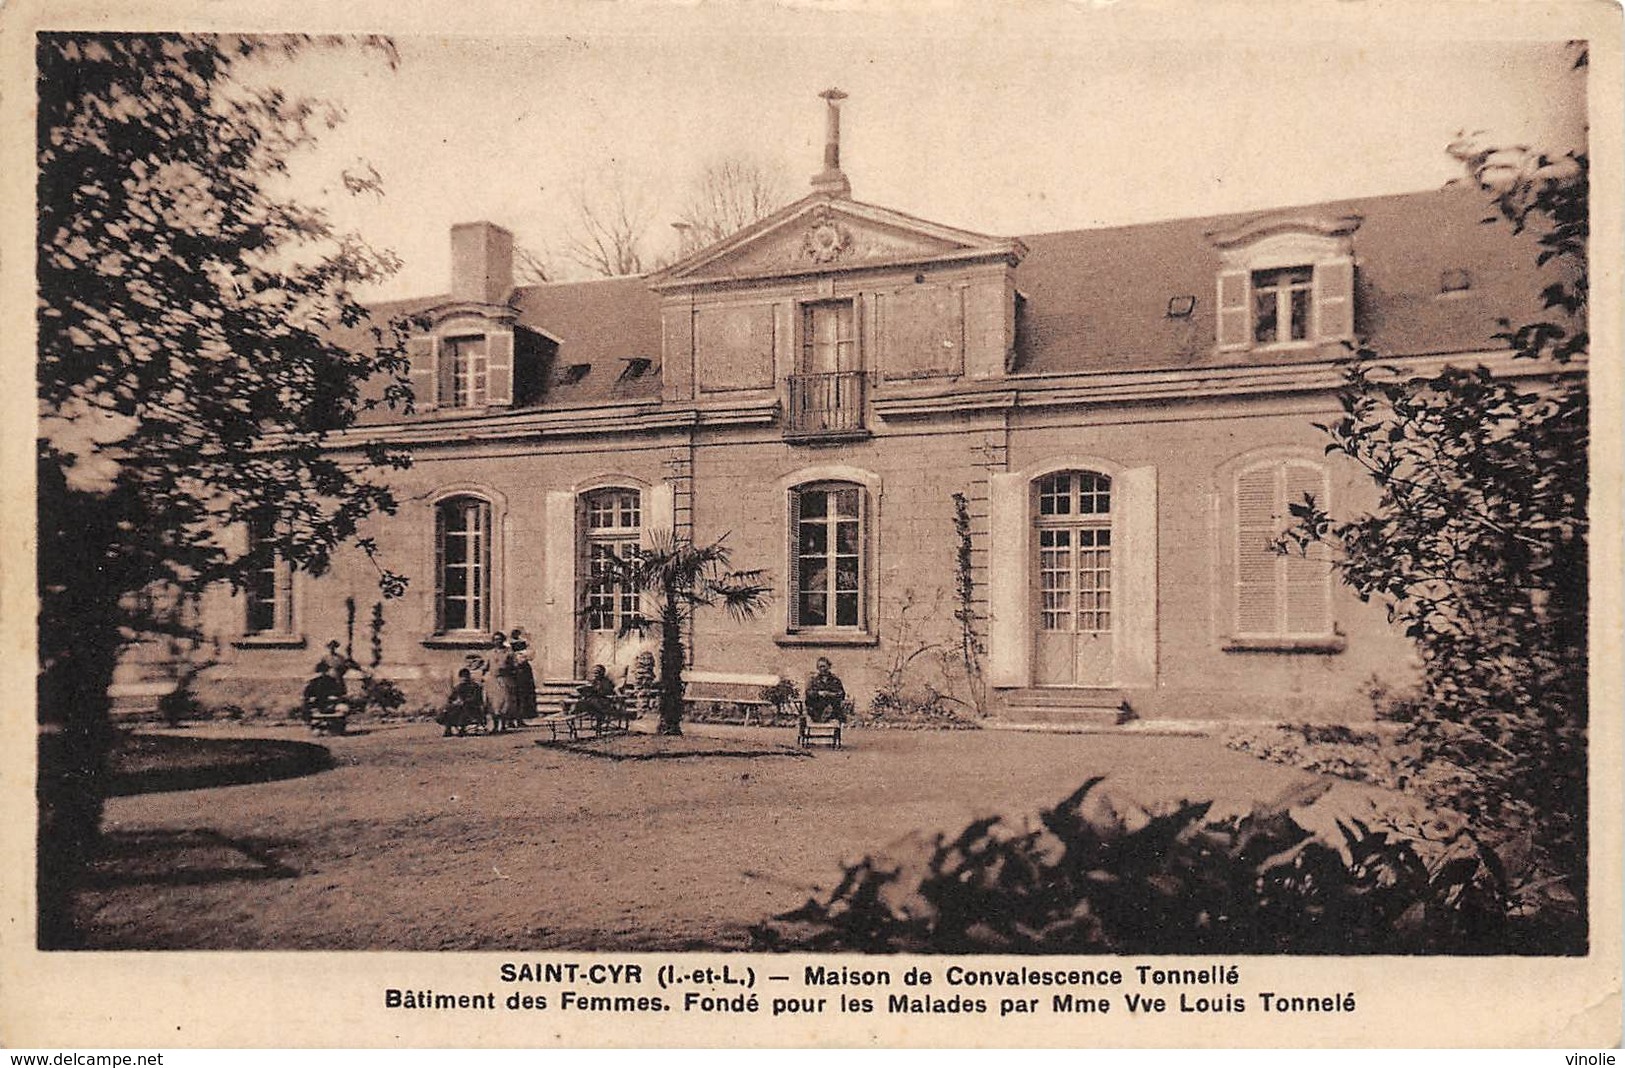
[188,374]
[1478,543]
[1093,879]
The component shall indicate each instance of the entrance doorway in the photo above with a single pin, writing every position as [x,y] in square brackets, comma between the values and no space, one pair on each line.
[1073,580]
[612,525]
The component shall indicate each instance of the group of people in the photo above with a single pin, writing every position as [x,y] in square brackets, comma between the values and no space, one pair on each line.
[505,693]
[499,688]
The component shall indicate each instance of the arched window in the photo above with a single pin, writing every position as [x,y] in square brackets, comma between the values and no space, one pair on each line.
[462,550]
[613,525]
[828,556]
[1278,594]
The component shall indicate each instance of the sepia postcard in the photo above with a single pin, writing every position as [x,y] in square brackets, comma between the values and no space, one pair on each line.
[812,525]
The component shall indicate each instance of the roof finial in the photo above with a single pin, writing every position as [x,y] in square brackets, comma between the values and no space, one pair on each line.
[830,180]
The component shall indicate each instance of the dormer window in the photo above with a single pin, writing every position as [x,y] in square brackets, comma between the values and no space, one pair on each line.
[463,372]
[1286,283]
[1281,305]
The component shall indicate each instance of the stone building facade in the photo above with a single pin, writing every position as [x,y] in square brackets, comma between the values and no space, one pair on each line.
[1122,414]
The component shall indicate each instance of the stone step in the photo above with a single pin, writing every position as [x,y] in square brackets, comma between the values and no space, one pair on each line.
[1064,697]
[1054,714]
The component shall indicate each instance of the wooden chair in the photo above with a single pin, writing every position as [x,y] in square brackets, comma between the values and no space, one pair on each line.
[828,732]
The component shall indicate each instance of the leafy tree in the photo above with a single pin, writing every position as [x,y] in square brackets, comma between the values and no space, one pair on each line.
[1479,540]
[673,578]
[188,372]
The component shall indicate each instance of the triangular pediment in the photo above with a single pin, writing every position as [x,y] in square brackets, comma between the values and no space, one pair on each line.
[822,234]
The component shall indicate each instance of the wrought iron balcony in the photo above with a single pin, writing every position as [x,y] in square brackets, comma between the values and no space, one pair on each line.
[826,405]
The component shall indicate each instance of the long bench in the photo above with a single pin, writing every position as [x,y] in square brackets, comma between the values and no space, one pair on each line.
[719,689]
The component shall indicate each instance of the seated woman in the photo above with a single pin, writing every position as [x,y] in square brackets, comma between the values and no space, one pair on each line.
[465,707]
[324,692]
[825,696]
[597,697]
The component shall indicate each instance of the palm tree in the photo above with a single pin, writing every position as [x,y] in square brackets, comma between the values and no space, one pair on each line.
[672,579]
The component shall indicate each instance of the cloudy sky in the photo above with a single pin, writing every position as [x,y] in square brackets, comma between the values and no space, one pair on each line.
[1010,121]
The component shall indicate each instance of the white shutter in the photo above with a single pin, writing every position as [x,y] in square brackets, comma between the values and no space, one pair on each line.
[1256,560]
[1334,300]
[499,369]
[1234,328]
[1134,545]
[423,373]
[1305,581]
[556,657]
[1009,630]
[660,512]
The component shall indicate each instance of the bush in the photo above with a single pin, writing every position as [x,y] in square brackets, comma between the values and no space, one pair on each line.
[381,695]
[1098,879]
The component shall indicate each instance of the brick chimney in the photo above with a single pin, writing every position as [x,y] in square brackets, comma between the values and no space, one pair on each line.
[481,263]
[830,180]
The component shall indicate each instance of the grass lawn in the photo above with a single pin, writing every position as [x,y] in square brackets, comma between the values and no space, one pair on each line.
[414,841]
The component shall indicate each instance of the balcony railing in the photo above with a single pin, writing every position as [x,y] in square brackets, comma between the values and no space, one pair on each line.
[826,405]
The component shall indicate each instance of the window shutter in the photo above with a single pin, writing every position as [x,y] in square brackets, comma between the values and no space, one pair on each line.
[1234,331]
[423,374]
[792,578]
[1134,541]
[1334,300]
[499,370]
[446,370]
[556,652]
[1009,636]
[1306,583]
[440,569]
[1256,561]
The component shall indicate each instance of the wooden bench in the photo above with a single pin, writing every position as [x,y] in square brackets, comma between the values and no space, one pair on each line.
[719,689]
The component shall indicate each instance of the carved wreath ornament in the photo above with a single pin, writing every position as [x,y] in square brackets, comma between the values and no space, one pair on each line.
[825,240]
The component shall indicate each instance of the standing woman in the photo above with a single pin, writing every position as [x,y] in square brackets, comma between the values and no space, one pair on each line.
[499,678]
[524,676]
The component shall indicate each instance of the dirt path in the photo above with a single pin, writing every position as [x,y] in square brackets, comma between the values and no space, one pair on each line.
[416,842]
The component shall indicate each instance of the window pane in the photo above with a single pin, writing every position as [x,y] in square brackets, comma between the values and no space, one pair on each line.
[814,574]
[846,503]
[813,504]
[813,612]
[846,538]
[1264,305]
[846,573]
[814,539]
[846,610]
[1300,314]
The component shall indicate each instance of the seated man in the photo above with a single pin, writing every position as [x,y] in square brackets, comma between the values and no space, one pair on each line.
[826,697]
[324,692]
[597,697]
[465,706]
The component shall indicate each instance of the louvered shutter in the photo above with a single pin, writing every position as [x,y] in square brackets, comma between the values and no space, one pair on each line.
[499,370]
[423,374]
[792,578]
[440,569]
[1256,560]
[1233,327]
[446,371]
[1334,300]
[1305,581]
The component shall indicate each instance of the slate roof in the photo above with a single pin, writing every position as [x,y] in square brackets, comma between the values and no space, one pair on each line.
[1097,300]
